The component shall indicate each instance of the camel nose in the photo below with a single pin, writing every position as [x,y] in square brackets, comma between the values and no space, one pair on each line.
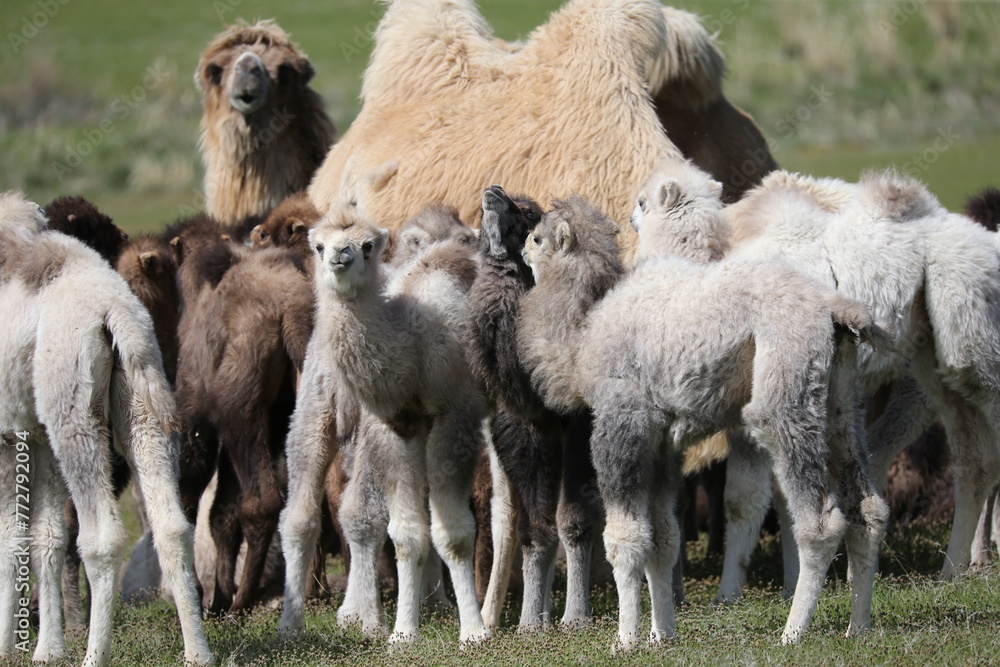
[342,259]
[250,84]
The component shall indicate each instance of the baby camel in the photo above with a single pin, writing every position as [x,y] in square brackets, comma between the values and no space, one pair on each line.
[80,362]
[705,348]
[396,350]
[545,455]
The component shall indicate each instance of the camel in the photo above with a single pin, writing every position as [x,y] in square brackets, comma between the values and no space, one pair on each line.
[264,130]
[80,364]
[149,269]
[706,347]
[927,262]
[386,363]
[544,455]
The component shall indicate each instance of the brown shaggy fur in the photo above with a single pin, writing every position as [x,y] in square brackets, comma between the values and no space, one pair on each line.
[264,131]
[149,268]
[79,218]
[288,225]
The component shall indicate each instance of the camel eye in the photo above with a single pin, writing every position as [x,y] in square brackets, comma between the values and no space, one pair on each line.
[263,236]
[642,203]
[319,248]
[530,215]
[367,248]
[214,74]
[536,239]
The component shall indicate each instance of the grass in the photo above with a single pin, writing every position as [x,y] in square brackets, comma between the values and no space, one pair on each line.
[917,621]
[836,86]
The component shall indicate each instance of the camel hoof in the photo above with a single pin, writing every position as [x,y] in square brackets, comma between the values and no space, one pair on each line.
[476,636]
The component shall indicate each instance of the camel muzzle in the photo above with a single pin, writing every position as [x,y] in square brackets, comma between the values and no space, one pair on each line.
[342,260]
[250,84]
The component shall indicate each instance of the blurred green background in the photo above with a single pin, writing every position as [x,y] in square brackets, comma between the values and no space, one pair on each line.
[837,86]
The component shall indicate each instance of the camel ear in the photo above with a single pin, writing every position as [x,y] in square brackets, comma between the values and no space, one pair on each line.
[297,228]
[670,192]
[716,188]
[383,238]
[71,217]
[565,239]
[177,246]
[147,261]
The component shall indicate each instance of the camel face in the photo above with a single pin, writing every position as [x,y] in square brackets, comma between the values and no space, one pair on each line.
[250,70]
[434,223]
[287,226]
[507,221]
[545,240]
[347,251]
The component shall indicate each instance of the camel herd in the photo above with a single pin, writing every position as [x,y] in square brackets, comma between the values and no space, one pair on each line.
[547,258]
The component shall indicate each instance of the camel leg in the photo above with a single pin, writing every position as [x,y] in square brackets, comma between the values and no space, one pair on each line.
[748,497]
[364,519]
[72,598]
[789,550]
[868,514]
[102,538]
[408,530]
[531,461]
[503,516]
[157,478]
[666,547]
[578,518]
[308,455]
[260,506]
[975,469]
[622,459]
[451,455]
[48,553]
[227,534]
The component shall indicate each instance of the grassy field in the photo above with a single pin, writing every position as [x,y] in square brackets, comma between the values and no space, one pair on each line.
[836,86]
[917,621]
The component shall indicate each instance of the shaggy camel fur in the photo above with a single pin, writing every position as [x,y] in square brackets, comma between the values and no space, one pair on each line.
[544,455]
[887,242]
[771,360]
[288,225]
[395,349]
[80,219]
[264,130]
[572,103]
[80,363]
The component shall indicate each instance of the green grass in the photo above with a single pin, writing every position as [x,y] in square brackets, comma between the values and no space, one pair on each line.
[836,86]
[916,621]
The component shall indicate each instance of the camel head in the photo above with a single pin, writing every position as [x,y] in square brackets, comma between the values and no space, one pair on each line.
[250,73]
[434,223]
[20,215]
[573,235]
[81,219]
[348,252]
[288,225]
[507,221]
[681,214]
